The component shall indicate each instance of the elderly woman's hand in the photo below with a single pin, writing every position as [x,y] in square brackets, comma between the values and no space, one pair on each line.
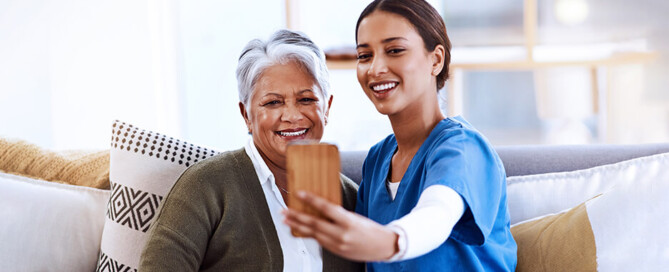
[346,234]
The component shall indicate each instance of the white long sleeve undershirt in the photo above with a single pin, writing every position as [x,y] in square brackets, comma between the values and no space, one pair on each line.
[429,224]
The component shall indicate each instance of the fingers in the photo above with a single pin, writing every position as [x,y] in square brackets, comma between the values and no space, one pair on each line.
[329,210]
[328,235]
[323,238]
[311,224]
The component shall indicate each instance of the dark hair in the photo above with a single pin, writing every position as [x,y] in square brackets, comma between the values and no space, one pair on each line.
[424,18]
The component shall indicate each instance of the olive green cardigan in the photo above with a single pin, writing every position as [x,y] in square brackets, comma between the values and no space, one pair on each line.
[216,218]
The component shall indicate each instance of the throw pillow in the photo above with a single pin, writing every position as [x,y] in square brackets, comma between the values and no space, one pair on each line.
[623,229]
[144,165]
[49,226]
[84,168]
[532,196]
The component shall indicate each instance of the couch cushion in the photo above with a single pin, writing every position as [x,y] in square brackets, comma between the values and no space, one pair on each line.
[47,226]
[143,167]
[536,195]
[84,168]
[623,229]
[539,159]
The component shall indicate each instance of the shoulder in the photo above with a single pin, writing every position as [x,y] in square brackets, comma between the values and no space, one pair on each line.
[349,191]
[224,159]
[456,128]
[457,144]
[220,167]
[457,135]
[347,184]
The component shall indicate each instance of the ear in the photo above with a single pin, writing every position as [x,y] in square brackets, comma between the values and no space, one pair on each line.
[245,115]
[438,56]
[327,110]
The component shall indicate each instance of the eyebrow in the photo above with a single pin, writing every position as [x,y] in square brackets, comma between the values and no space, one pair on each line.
[387,40]
[271,94]
[278,95]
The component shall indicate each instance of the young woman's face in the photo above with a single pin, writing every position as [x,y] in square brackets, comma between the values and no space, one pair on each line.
[394,69]
[286,105]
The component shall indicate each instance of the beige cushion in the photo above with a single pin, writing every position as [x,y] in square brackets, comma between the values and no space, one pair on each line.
[560,242]
[84,168]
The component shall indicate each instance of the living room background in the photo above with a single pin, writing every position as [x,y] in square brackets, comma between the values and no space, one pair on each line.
[69,68]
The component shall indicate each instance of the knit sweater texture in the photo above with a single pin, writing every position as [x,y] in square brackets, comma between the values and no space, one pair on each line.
[76,167]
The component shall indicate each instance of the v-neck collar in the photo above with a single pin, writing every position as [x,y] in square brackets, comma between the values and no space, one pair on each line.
[387,161]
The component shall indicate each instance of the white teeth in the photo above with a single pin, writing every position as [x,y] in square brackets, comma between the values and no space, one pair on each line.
[383,87]
[292,134]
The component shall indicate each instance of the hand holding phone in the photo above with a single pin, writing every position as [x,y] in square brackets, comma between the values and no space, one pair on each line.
[312,167]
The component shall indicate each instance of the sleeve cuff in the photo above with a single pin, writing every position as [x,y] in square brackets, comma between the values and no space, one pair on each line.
[401,243]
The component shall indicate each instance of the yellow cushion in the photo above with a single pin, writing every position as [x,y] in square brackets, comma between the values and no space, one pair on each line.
[84,168]
[560,242]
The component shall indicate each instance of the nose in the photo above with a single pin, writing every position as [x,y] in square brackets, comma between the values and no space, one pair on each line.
[291,113]
[377,67]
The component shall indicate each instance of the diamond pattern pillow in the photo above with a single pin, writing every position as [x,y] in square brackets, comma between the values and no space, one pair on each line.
[144,165]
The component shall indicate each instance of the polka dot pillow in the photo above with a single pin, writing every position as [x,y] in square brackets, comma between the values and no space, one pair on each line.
[144,165]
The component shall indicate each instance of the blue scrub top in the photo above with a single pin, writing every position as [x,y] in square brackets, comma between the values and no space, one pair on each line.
[458,156]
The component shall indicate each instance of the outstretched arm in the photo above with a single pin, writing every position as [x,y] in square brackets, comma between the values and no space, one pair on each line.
[356,237]
[346,234]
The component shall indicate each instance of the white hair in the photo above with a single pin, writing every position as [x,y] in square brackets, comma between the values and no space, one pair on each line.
[282,47]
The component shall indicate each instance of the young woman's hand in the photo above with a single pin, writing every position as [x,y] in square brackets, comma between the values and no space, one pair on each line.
[346,234]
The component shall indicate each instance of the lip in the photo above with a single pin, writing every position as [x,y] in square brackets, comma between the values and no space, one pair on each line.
[381,94]
[292,133]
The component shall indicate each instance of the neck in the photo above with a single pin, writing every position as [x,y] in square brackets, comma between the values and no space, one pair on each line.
[278,169]
[413,124]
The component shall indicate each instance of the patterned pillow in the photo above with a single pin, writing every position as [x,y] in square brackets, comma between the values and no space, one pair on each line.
[144,165]
[623,229]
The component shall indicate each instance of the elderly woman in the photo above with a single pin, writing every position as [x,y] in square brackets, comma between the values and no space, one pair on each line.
[224,213]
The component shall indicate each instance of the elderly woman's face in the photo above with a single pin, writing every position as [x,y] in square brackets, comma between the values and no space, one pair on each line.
[286,105]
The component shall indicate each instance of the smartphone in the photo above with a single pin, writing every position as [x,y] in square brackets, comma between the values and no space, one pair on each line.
[312,167]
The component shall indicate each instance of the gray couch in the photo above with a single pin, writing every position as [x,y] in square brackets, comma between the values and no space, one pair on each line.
[528,160]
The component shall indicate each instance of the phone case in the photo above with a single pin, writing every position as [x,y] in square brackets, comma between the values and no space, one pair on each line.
[313,168]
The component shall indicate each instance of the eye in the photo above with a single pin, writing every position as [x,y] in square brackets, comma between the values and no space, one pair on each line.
[272,103]
[308,99]
[364,56]
[396,51]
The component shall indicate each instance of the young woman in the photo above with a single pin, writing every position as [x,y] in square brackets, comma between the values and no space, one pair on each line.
[435,190]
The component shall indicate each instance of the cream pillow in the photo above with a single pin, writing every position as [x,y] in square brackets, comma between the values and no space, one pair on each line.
[49,226]
[144,165]
[624,229]
[536,195]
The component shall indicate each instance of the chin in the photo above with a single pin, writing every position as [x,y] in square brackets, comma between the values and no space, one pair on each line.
[384,108]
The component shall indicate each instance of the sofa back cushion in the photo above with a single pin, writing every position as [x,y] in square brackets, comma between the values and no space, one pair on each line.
[537,195]
[47,226]
[144,165]
[622,229]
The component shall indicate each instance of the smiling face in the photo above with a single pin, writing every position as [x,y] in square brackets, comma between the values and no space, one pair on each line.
[394,69]
[286,105]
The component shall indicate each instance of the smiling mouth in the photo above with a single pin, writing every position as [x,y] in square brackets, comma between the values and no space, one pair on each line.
[384,88]
[297,133]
